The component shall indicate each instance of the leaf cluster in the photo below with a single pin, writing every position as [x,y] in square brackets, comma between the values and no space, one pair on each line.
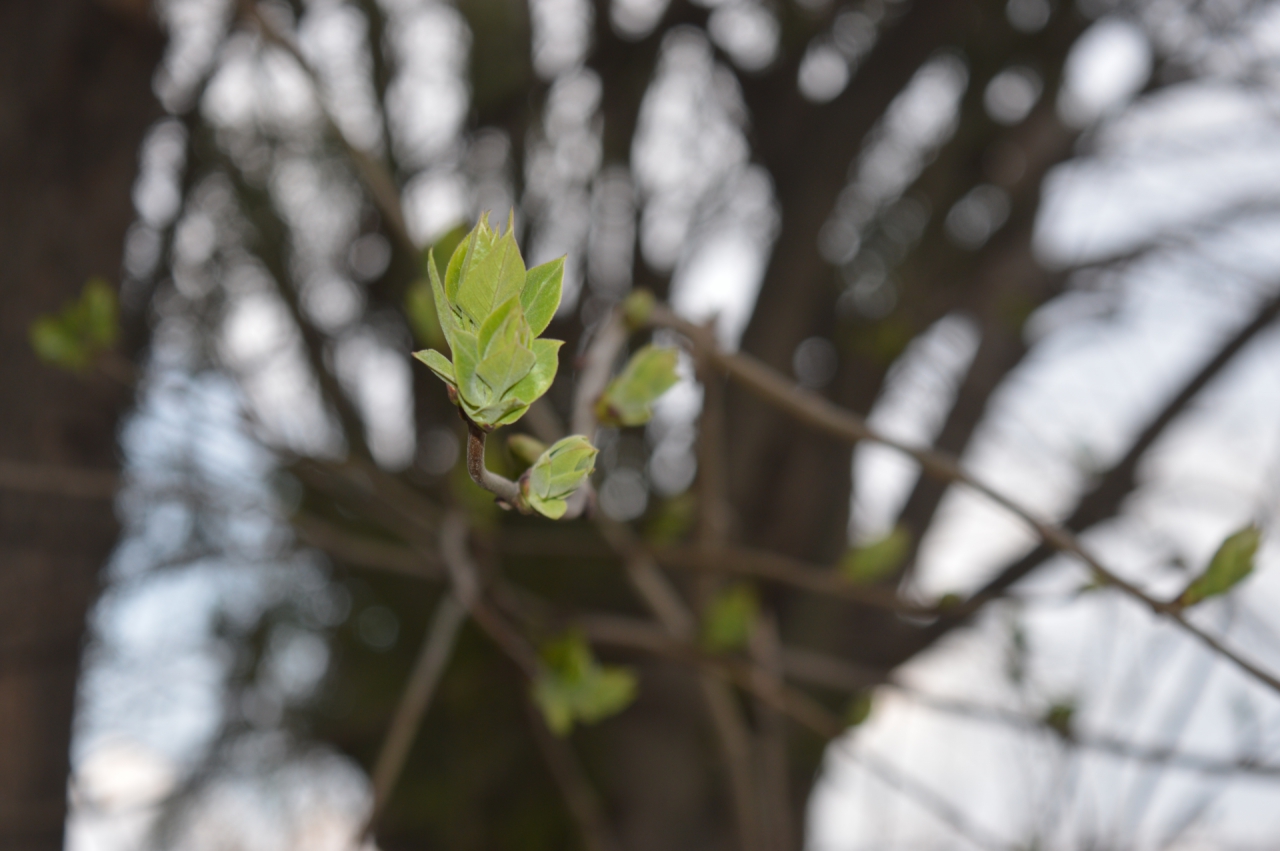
[491,311]
[85,328]
[573,687]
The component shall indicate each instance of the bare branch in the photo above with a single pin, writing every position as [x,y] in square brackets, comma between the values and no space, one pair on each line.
[58,480]
[789,571]
[437,647]
[363,551]
[375,177]
[580,798]
[820,413]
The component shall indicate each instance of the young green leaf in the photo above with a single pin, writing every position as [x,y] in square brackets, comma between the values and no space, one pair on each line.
[99,314]
[628,399]
[84,329]
[1059,718]
[574,688]
[1229,566]
[859,709]
[440,365]
[729,619]
[499,365]
[878,559]
[541,295]
[558,472]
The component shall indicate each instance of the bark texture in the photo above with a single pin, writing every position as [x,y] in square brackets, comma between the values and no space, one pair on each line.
[75,101]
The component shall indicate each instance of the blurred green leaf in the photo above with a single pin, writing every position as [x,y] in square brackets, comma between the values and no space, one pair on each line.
[526,448]
[1059,718]
[627,400]
[729,618]
[574,688]
[557,473]
[859,709]
[83,329]
[1229,566]
[672,519]
[99,314]
[878,559]
[637,308]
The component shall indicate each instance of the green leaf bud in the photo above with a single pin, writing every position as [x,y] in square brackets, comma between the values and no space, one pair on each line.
[628,399]
[557,473]
[490,311]
[1229,566]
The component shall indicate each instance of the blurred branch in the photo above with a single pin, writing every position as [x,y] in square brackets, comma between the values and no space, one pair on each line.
[375,177]
[580,797]
[627,632]
[363,551]
[818,412]
[938,806]
[1104,498]
[789,571]
[825,671]
[58,480]
[1107,744]
[437,647]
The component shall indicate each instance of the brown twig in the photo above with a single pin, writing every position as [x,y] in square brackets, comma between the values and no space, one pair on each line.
[437,647]
[580,797]
[466,585]
[820,413]
[365,552]
[58,480]
[500,486]
[375,177]
[789,571]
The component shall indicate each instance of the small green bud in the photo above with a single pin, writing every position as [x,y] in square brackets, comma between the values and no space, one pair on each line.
[730,618]
[83,330]
[1059,718]
[859,709]
[556,474]
[637,308]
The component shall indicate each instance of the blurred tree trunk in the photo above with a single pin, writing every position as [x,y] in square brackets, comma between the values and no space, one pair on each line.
[75,100]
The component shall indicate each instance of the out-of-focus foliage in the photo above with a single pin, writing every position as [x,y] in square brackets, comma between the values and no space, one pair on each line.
[1230,565]
[85,328]
[574,688]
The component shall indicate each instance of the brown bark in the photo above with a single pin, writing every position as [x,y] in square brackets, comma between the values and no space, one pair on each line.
[75,100]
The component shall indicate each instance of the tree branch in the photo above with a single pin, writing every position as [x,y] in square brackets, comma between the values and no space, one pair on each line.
[821,414]
[437,647]
[58,480]
[500,486]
